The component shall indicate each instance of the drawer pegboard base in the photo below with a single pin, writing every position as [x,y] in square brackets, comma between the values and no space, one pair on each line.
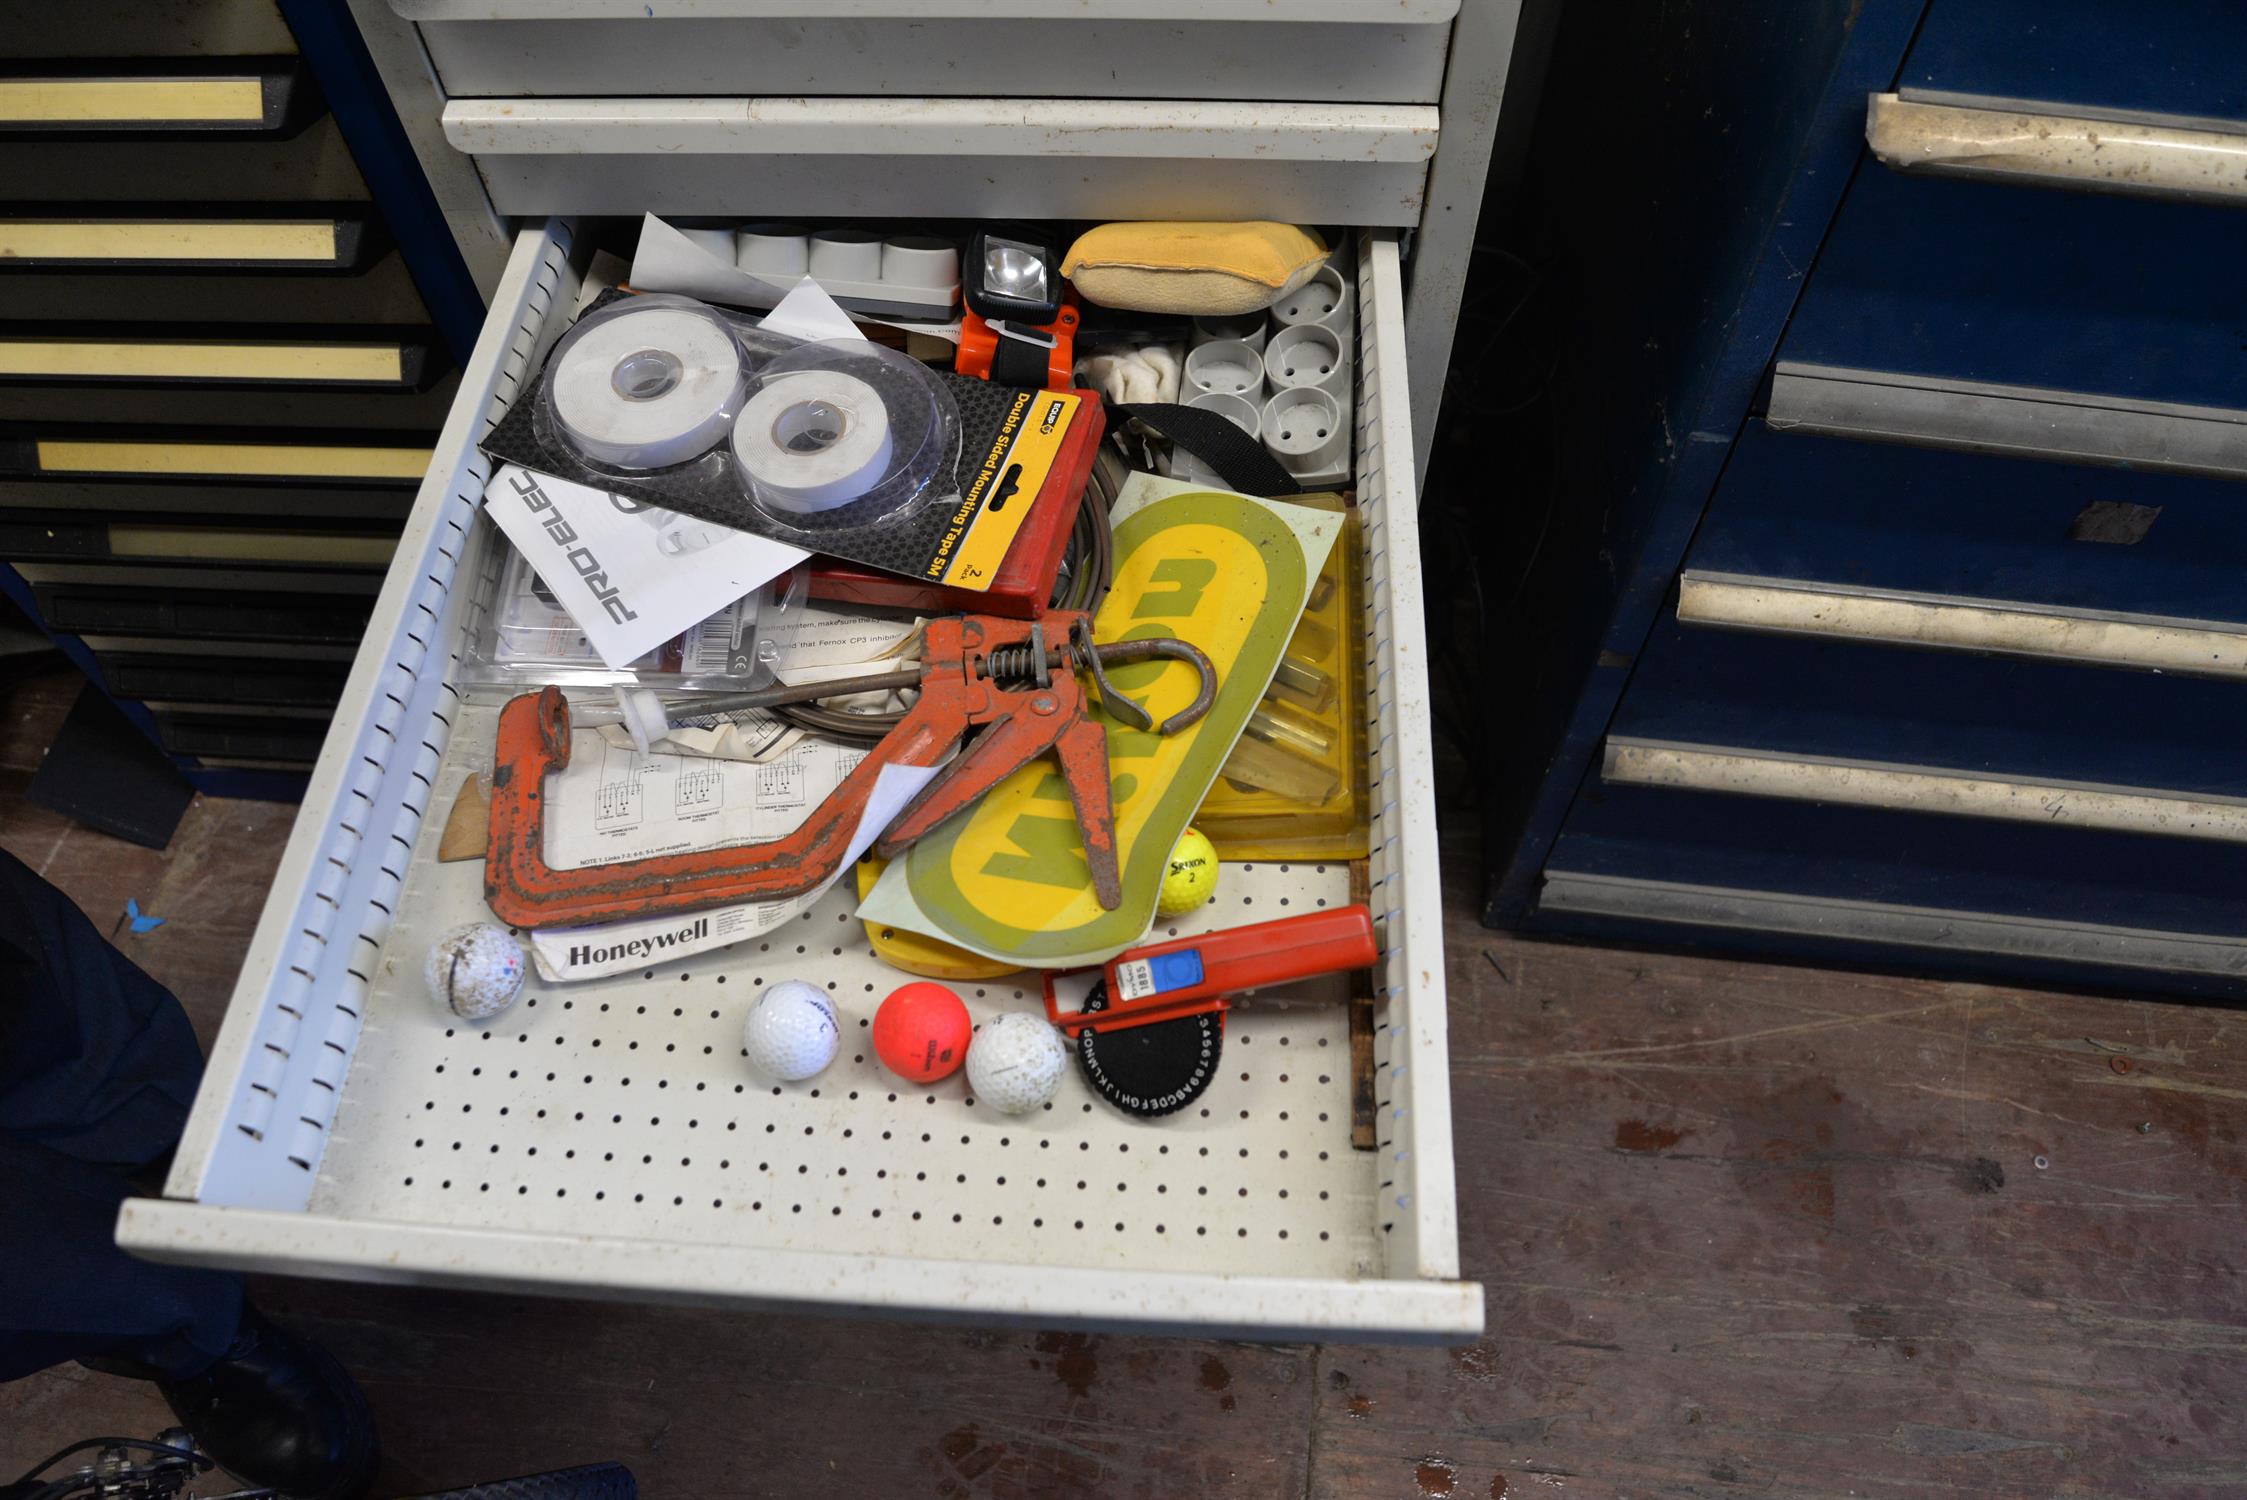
[626,1103]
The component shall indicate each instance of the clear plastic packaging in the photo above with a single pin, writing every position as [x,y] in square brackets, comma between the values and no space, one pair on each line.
[843,434]
[647,383]
[524,638]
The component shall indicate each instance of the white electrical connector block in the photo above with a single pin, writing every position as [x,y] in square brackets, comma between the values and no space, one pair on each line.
[906,275]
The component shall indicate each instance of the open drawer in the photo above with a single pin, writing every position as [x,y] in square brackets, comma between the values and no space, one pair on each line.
[605,1138]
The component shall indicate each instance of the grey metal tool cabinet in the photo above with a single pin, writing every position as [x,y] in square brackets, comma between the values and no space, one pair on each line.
[603,1137]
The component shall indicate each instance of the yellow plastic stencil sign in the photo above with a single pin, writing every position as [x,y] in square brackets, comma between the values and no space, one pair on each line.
[1224,572]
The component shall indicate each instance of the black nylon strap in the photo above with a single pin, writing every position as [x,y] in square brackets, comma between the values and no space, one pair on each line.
[1019,361]
[1239,459]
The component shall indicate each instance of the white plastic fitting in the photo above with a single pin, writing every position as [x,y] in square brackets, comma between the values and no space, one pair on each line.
[846,255]
[782,250]
[917,260]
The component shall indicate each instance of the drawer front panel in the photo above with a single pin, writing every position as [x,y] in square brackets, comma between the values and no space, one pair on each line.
[221,679]
[312,164]
[382,293]
[2017,287]
[1884,519]
[2174,58]
[985,158]
[136,29]
[1883,885]
[1982,138]
[1981,735]
[1379,59]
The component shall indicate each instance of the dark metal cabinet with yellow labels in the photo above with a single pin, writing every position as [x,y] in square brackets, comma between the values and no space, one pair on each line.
[222,369]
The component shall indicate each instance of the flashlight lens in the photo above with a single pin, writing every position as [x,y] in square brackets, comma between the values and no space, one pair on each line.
[1013,269]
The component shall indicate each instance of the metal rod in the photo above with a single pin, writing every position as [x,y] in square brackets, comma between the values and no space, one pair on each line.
[802,692]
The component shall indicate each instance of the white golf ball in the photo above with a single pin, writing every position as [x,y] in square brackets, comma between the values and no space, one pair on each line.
[791,1033]
[476,971]
[1016,1063]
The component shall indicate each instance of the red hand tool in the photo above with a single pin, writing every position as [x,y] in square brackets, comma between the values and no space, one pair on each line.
[1014,679]
[1150,1030]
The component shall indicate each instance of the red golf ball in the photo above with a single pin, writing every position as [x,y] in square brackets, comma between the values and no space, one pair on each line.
[921,1032]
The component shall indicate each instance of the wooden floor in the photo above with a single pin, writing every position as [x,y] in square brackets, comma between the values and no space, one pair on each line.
[1745,1230]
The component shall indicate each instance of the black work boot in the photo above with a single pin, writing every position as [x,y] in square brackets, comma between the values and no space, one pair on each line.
[277,1410]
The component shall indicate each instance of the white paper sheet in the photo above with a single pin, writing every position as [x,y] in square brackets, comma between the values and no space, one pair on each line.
[612,805]
[604,560]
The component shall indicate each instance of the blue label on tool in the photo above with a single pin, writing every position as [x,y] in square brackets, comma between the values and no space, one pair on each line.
[1177,971]
[1137,978]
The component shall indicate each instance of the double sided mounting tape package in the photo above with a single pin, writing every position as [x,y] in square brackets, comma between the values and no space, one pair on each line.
[845,447]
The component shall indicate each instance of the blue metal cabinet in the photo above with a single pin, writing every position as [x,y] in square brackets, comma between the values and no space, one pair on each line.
[1930,649]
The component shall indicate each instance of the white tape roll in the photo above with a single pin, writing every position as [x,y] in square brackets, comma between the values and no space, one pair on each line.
[649,386]
[813,441]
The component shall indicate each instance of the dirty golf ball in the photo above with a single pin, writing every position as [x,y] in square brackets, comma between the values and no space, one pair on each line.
[1015,1063]
[1191,878]
[921,1032]
[791,1032]
[475,971]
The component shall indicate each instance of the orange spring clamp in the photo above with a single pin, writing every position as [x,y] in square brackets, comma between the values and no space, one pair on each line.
[1013,679]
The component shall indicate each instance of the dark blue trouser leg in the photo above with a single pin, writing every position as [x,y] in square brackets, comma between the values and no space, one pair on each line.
[97,1069]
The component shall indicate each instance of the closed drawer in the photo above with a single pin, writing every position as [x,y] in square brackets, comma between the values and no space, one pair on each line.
[1279,1230]
[1357,51]
[2079,95]
[264,376]
[223,603]
[312,163]
[134,28]
[2010,287]
[1820,536]
[373,506]
[2046,147]
[167,538]
[271,735]
[951,158]
[149,668]
[1832,881]
[1961,735]
[2012,319]
[383,292]
[2092,57]
[231,97]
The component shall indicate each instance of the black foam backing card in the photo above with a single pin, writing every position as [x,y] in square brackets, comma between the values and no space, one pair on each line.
[706,488]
